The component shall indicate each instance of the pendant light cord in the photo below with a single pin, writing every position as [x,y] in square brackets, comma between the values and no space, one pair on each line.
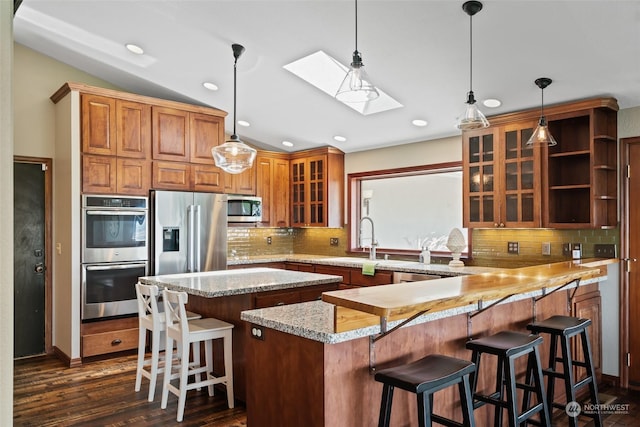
[542,103]
[356,1]
[235,64]
[470,53]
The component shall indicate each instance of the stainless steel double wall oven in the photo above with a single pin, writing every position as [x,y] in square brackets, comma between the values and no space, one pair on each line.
[115,247]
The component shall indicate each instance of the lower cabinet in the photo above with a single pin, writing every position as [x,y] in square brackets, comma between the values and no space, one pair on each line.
[109,336]
[588,306]
[291,296]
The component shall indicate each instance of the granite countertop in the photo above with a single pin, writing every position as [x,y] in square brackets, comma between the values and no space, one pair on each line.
[355,262]
[221,283]
[315,320]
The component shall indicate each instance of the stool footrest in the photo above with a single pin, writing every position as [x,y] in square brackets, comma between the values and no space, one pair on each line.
[583,382]
[492,398]
[445,421]
[530,412]
[526,387]
[553,373]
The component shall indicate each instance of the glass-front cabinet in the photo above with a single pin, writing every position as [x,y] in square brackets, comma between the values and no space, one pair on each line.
[502,188]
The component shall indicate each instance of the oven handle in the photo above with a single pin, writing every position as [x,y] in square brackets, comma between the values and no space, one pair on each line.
[131,213]
[114,267]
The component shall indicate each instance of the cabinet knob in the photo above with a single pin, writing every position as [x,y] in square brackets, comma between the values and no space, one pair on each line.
[117,341]
[502,224]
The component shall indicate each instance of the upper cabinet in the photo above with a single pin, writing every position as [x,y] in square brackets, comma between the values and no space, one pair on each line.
[571,185]
[272,184]
[317,188]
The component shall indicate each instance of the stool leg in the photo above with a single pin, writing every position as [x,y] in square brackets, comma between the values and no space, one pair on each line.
[567,365]
[168,364]
[545,416]
[184,376]
[155,357]
[466,402]
[196,359]
[500,377]
[551,380]
[208,354]
[473,377]
[424,409]
[529,379]
[512,398]
[593,386]
[228,367]
[142,339]
[385,406]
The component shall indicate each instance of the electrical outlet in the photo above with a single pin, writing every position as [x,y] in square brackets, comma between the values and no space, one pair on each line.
[334,241]
[269,240]
[566,249]
[601,250]
[546,248]
[513,248]
[257,332]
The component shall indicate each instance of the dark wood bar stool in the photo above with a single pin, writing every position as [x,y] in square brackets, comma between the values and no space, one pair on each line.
[509,346]
[564,328]
[424,377]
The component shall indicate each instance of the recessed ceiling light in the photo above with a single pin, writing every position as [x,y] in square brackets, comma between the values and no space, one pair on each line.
[419,122]
[134,48]
[287,143]
[244,123]
[210,86]
[340,138]
[492,103]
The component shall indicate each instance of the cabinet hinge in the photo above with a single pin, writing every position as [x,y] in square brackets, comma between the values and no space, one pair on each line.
[628,359]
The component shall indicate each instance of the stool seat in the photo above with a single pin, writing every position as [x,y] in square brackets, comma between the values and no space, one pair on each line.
[424,377]
[429,372]
[565,325]
[505,343]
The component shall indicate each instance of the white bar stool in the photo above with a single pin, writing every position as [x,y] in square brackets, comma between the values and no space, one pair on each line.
[151,318]
[194,332]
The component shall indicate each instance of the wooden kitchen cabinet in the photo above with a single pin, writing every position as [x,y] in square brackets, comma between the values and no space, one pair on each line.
[317,188]
[241,183]
[272,184]
[570,185]
[133,124]
[109,336]
[98,129]
[113,175]
[588,306]
[170,134]
[133,176]
[206,132]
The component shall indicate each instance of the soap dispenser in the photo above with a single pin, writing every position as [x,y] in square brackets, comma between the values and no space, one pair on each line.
[425,256]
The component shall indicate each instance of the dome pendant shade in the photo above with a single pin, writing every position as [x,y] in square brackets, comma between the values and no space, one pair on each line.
[472,118]
[541,136]
[234,156]
[356,86]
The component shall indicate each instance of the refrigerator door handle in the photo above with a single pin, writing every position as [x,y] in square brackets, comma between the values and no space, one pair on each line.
[190,239]
[196,237]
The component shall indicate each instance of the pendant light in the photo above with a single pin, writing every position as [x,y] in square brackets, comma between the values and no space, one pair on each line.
[472,117]
[356,86]
[234,156]
[542,136]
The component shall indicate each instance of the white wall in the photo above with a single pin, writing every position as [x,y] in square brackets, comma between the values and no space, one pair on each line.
[6,225]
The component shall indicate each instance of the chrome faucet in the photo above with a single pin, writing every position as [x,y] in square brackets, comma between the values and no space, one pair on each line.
[372,251]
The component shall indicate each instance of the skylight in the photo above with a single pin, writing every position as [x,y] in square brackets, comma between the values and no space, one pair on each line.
[326,73]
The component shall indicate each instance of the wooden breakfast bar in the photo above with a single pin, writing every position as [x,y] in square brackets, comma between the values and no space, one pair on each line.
[314,361]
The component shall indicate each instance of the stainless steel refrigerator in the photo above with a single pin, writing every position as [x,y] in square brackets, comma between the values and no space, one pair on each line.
[189,232]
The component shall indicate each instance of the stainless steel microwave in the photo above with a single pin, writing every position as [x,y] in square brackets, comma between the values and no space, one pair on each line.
[244,209]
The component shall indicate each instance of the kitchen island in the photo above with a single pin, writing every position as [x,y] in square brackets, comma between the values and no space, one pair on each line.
[225,294]
[317,372]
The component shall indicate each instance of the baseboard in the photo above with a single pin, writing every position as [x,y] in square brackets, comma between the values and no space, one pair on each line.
[66,359]
[609,381]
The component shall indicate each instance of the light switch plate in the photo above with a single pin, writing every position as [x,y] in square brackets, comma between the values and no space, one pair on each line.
[513,248]
[546,248]
[601,250]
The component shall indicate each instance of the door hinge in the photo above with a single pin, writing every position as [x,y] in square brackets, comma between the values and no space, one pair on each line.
[628,359]
[44,167]
[628,171]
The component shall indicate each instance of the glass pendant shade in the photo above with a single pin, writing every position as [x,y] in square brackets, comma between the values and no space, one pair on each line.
[472,117]
[356,85]
[234,156]
[541,136]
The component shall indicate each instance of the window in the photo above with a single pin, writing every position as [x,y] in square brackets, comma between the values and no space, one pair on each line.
[410,207]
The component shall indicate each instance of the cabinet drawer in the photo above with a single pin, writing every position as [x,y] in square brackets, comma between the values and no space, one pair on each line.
[271,300]
[380,278]
[345,272]
[109,342]
[299,266]
[315,292]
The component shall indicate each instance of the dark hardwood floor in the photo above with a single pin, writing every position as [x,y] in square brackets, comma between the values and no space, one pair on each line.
[100,393]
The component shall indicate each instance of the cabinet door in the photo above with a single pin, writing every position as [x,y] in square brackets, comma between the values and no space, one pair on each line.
[207,178]
[298,192]
[280,199]
[98,124]
[170,134]
[241,183]
[133,176]
[588,306]
[481,205]
[98,174]
[133,121]
[264,186]
[521,178]
[206,132]
[171,176]
[317,206]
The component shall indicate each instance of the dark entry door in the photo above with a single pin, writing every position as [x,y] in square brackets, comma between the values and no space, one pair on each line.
[29,259]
